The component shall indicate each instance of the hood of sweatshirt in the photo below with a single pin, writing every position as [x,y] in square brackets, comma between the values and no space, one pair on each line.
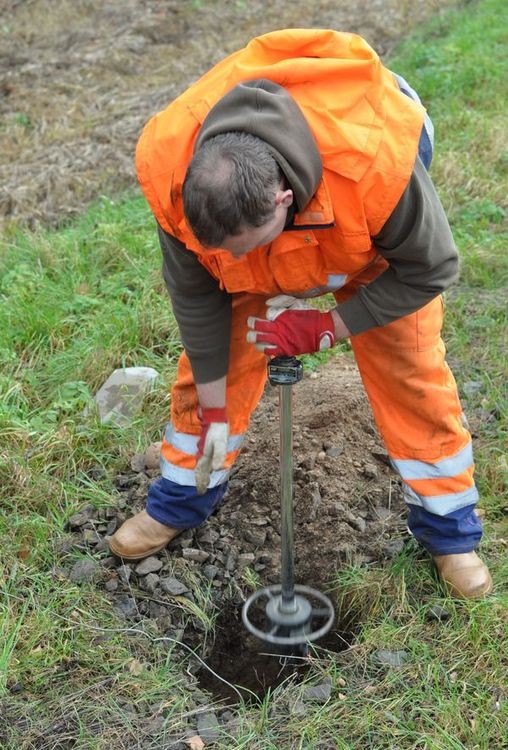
[266,110]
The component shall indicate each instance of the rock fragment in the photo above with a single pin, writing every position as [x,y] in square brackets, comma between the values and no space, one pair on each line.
[437,612]
[125,606]
[81,517]
[84,571]
[173,586]
[208,727]
[318,693]
[394,659]
[121,396]
[148,565]
[195,555]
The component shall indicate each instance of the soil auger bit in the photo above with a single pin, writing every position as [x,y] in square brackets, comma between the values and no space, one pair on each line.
[294,615]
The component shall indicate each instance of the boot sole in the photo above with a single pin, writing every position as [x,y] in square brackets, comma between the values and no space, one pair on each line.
[139,556]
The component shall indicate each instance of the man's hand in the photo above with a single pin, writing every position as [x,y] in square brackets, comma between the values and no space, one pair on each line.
[212,445]
[292,327]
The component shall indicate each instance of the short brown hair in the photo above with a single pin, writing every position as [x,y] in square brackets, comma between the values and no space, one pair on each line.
[231,183]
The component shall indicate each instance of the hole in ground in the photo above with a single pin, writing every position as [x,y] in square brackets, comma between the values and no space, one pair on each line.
[250,664]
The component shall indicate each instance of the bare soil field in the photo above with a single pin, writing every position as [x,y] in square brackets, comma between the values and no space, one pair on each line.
[79,78]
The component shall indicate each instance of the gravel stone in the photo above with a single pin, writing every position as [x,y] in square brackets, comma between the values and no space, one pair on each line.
[208,536]
[318,693]
[247,558]
[334,451]
[472,387]
[256,536]
[371,471]
[297,707]
[125,605]
[208,727]
[84,571]
[437,612]
[383,514]
[149,565]
[173,586]
[260,521]
[359,524]
[111,527]
[231,559]
[124,572]
[80,518]
[110,562]
[65,544]
[138,462]
[153,455]
[195,555]
[149,582]
[90,536]
[388,658]
[210,571]
[393,548]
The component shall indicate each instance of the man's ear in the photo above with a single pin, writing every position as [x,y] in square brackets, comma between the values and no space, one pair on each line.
[284,198]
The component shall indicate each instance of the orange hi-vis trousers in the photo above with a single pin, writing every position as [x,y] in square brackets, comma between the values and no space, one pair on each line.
[416,408]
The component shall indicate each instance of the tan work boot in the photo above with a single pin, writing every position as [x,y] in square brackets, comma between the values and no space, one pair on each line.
[464,575]
[141,536]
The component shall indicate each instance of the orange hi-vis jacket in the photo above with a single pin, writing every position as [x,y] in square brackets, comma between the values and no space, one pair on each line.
[366,132]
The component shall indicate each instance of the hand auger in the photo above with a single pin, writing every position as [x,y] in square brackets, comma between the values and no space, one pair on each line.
[294,615]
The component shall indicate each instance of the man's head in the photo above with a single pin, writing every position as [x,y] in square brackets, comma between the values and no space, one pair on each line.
[234,195]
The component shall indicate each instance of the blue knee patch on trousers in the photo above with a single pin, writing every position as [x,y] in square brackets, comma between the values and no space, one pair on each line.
[180,506]
[454,533]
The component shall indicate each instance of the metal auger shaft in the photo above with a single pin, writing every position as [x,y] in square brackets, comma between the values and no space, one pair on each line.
[289,611]
[286,488]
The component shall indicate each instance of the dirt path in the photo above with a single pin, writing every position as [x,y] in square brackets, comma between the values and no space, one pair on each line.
[78,79]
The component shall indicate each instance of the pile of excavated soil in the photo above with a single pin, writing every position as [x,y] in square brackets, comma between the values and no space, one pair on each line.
[348,508]
[79,78]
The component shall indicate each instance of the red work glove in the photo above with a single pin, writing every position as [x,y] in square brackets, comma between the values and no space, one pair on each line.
[212,445]
[292,327]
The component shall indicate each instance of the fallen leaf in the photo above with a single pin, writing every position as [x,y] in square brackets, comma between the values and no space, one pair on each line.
[135,667]
[195,743]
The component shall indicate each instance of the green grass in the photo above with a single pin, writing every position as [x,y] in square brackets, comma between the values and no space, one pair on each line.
[78,302]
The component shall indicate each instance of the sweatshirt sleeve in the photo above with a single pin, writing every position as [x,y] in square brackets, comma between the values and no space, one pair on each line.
[423,261]
[202,310]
